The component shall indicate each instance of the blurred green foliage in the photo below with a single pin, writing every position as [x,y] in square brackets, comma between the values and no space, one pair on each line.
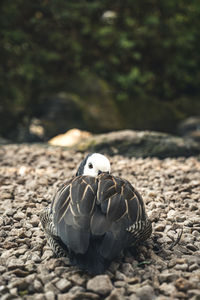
[147,51]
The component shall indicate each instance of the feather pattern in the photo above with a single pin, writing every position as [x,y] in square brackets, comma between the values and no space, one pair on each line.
[96,218]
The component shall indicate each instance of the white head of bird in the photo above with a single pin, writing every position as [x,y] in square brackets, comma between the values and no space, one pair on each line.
[93,165]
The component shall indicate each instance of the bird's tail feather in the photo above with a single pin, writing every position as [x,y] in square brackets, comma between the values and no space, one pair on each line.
[92,261]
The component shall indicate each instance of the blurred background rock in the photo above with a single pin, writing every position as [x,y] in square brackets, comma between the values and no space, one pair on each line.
[97,66]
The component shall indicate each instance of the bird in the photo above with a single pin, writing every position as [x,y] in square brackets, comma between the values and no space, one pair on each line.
[95,216]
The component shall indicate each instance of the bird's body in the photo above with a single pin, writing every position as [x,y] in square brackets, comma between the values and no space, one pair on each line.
[93,218]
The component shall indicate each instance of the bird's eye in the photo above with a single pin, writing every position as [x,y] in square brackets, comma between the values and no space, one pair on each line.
[90,166]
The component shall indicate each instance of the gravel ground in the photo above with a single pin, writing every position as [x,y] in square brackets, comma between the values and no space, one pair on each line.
[29,176]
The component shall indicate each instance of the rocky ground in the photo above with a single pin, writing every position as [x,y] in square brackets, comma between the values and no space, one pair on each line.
[29,175]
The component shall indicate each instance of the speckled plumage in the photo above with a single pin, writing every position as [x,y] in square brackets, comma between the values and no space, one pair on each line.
[92,219]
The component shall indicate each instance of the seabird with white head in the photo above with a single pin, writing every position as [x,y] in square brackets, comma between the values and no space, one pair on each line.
[95,216]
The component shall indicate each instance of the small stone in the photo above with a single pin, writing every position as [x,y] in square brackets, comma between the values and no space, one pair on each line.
[133,297]
[100,284]
[77,279]
[14,291]
[3,289]
[154,215]
[120,276]
[8,297]
[19,215]
[63,285]
[50,295]
[64,296]
[182,284]
[38,285]
[145,293]
[167,277]
[120,283]
[49,287]
[179,295]
[5,195]
[37,297]
[76,289]
[167,288]
[193,292]
[160,227]
[192,247]
[34,221]
[7,254]
[180,218]
[35,258]
[47,254]
[15,263]
[10,212]
[45,278]
[20,283]
[19,272]
[127,270]
[182,267]
[30,278]
[132,288]
[171,215]
[193,267]
[193,207]
[196,297]
[2,269]
[133,280]
[115,294]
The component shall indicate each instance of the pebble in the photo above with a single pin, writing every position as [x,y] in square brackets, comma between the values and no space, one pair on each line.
[76,289]
[50,287]
[192,247]
[132,288]
[127,269]
[15,263]
[193,267]
[63,285]
[167,288]
[160,227]
[50,295]
[19,215]
[100,284]
[182,267]
[133,297]
[167,277]
[116,294]
[145,293]
[2,269]
[38,285]
[183,284]
[180,218]
[77,279]
[193,292]
[27,264]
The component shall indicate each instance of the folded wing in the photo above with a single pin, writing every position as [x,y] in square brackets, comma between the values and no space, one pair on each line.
[106,208]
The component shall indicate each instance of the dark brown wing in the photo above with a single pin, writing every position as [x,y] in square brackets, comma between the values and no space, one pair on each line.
[72,209]
[121,207]
[107,209]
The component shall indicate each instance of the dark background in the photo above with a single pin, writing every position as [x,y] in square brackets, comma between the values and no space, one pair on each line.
[98,65]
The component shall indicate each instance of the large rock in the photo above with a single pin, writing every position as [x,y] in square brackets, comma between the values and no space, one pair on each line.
[190,127]
[69,138]
[140,144]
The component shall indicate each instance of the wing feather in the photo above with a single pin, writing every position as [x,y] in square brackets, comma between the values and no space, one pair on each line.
[105,207]
[72,209]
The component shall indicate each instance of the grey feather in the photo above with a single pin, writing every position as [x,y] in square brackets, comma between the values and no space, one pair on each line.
[97,216]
